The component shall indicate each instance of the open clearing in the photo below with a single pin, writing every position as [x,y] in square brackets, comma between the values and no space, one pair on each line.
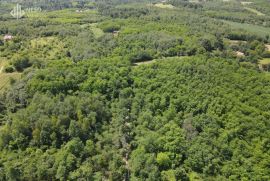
[97,31]
[256,29]
[5,77]
[268,47]
[51,47]
[94,28]
[166,6]
[254,11]
[236,42]
[3,63]
[265,61]
[246,2]
[145,62]
[158,60]
[264,65]
[197,1]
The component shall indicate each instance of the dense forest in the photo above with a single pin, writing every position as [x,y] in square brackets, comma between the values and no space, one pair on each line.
[135,90]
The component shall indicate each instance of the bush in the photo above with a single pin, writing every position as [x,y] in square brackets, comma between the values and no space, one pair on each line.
[109,28]
[140,57]
[163,160]
[9,69]
[266,54]
[21,63]
[12,80]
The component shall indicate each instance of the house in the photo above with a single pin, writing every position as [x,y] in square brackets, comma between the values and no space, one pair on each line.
[8,37]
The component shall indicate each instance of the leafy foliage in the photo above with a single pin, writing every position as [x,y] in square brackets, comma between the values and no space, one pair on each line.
[159,94]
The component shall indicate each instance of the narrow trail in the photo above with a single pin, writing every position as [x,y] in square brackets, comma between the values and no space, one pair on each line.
[1,69]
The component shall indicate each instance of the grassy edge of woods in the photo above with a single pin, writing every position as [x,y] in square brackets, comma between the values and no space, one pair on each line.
[83,110]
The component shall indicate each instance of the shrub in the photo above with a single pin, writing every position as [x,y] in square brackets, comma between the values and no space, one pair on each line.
[9,69]
[21,63]
[140,57]
[109,28]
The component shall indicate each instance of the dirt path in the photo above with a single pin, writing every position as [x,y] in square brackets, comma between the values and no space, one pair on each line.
[1,69]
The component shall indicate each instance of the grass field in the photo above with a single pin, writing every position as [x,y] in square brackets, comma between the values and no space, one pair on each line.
[255,29]
[4,77]
[246,2]
[265,61]
[166,6]
[255,11]
[5,80]
[3,63]
[268,47]
[68,16]
[97,31]
[264,65]
[50,47]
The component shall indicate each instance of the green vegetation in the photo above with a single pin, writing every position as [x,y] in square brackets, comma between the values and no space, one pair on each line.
[161,5]
[255,11]
[265,61]
[125,90]
[255,29]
